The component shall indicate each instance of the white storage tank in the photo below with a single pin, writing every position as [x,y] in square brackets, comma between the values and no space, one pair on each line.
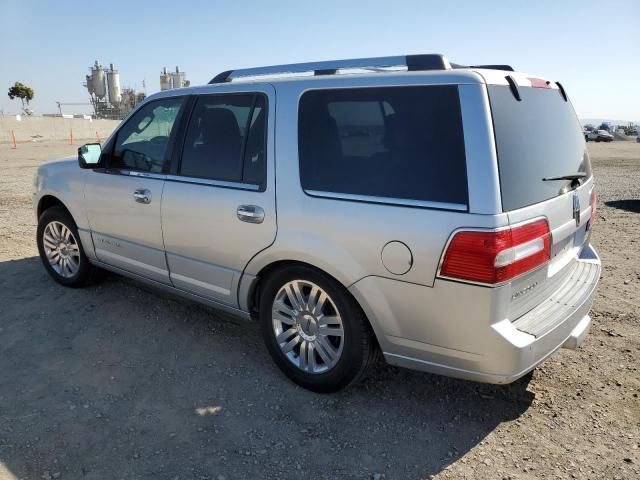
[178,78]
[113,85]
[165,80]
[98,80]
[89,84]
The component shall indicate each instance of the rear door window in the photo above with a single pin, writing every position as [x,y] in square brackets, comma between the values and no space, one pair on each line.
[536,138]
[225,139]
[403,143]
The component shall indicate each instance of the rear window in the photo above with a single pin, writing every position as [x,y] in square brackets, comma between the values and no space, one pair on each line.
[392,142]
[537,137]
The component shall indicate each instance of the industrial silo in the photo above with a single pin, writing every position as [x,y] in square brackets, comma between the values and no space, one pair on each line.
[178,78]
[113,85]
[165,80]
[89,85]
[98,81]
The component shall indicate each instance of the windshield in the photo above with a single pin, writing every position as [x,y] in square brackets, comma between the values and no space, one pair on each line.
[538,137]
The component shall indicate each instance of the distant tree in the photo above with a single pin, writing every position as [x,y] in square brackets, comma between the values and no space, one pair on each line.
[21,91]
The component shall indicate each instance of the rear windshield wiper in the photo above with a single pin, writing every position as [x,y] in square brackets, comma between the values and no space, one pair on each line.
[572,176]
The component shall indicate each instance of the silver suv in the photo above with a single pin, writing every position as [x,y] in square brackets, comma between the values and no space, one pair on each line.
[393,205]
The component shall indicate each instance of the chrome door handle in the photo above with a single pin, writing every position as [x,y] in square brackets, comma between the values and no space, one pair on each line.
[250,213]
[142,195]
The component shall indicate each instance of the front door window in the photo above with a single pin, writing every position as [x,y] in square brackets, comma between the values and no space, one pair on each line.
[142,143]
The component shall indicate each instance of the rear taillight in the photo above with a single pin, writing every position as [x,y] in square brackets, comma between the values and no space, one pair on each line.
[497,256]
[592,202]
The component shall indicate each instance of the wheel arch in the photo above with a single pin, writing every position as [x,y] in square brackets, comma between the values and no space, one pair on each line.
[252,296]
[49,201]
[319,253]
[253,290]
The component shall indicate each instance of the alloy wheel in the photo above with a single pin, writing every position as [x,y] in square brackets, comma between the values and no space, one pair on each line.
[61,248]
[307,326]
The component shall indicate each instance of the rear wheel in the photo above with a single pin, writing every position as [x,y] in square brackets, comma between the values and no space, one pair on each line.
[314,330]
[61,250]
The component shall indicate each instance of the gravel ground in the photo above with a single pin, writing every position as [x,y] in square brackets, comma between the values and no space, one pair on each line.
[117,381]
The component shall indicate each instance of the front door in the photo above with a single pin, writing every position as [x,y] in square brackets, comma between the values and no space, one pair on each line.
[218,210]
[123,200]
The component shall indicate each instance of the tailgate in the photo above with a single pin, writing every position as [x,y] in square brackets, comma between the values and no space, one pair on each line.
[568,238]
[540,143]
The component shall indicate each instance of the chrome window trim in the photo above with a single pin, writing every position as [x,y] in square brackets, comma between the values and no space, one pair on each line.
[136,173]
[193,180]
[213,183]
[403,202]
[131,173]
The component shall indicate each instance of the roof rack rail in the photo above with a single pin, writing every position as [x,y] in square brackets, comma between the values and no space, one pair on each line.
[506,68]
[412,62]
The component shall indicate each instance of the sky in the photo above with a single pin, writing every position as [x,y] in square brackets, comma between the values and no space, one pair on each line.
[591,47]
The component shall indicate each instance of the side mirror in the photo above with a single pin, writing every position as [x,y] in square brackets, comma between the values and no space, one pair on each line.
[89,155]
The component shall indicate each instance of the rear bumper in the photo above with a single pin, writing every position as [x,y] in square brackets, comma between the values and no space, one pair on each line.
[477,348]
[578,334]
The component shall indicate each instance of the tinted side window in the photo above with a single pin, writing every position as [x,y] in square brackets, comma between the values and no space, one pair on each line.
[225,139]
[395,142]
[142,142]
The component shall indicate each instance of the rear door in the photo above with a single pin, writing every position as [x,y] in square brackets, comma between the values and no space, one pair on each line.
[218,207]
[538,140]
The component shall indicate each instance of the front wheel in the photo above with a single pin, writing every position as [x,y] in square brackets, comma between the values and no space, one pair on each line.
[314,330]
[61,250]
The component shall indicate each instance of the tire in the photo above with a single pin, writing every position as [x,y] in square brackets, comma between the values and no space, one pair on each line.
[317,361]
[69,253]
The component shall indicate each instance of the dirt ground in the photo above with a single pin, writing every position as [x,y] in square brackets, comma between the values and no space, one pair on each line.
[120,382]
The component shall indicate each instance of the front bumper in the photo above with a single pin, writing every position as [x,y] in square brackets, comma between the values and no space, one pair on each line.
[477,346]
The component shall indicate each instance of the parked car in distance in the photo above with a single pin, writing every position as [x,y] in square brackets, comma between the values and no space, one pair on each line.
[395,206]
[599,136]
